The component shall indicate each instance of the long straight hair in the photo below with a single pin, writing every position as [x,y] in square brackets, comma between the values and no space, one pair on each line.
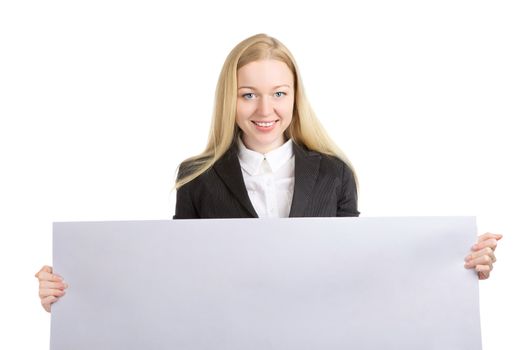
[305,129]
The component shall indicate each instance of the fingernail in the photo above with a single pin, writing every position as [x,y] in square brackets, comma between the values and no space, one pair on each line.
[66,285]
[467,258]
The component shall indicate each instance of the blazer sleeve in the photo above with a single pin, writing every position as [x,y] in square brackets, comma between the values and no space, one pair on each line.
[347,203]
[184,207]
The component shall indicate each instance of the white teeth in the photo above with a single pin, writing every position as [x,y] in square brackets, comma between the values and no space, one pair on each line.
[265,124]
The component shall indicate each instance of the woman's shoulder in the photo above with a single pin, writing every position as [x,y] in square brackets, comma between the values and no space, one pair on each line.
[188,168]
[327,161]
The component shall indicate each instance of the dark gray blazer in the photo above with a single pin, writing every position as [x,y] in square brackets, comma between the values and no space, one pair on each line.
[324,186]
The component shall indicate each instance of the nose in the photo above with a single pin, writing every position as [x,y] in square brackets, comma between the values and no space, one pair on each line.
[265,106]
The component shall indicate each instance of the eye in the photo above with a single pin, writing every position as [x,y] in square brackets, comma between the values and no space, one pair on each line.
[280,92]
[248,96]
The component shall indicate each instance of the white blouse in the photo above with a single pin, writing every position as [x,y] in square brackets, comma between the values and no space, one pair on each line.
[269,179]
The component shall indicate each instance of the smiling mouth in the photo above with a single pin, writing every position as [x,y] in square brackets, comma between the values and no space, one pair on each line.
[265,124]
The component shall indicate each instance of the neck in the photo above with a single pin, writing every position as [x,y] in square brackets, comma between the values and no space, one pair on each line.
[263,149]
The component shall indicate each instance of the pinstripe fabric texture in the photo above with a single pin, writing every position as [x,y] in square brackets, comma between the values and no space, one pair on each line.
[324,187]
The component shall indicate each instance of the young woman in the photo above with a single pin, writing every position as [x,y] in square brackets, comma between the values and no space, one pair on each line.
[267,156]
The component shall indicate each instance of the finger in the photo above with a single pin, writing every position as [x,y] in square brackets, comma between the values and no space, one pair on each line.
[46,276]
[485,251]
[47,301]
[492,243]
[482,260]
[45,268]
[483,271]
[53,285]
[45,292]
[489,235]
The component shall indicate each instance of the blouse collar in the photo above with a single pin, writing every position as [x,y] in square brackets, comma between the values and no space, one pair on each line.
[251,161]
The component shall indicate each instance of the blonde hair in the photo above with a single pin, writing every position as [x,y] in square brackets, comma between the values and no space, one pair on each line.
[305,129]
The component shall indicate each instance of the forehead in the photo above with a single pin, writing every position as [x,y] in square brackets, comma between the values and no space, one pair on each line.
[265,73]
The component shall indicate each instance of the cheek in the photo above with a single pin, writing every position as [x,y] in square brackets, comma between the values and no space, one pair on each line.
[243,111]
[286,110]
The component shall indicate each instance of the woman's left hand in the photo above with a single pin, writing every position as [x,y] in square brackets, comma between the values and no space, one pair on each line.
[482,255]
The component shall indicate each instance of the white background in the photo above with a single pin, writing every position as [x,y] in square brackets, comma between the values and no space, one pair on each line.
[101,100]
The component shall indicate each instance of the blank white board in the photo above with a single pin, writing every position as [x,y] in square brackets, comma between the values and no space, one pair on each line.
[295,283]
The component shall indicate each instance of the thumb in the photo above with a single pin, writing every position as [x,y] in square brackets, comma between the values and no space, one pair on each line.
[45,268]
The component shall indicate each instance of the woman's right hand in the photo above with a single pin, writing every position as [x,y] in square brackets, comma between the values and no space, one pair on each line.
[51,287]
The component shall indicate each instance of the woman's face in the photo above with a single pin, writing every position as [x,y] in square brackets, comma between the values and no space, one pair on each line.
[265,100]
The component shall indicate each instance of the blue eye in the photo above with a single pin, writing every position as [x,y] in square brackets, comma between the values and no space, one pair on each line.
[251,95]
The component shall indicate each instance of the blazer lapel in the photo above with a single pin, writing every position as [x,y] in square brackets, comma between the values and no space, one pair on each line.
[229,170]
[306,172]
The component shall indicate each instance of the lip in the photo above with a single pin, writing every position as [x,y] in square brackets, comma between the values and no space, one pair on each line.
[265,128]
[265,121]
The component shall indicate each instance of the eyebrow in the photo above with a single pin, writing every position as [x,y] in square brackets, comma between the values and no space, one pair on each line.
[251,87]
